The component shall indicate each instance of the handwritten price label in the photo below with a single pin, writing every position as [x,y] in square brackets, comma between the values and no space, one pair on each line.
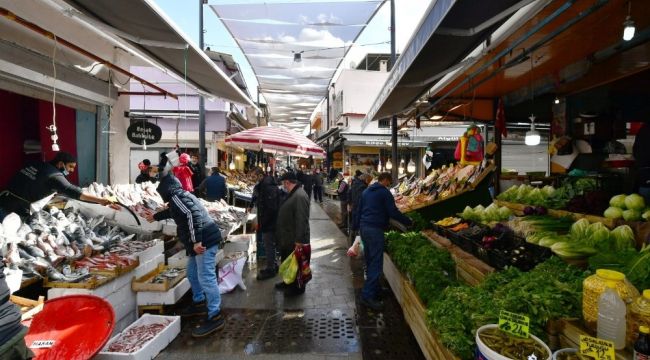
[599,349]
[514,324]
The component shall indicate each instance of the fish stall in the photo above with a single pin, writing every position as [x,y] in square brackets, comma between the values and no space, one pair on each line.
[77,248]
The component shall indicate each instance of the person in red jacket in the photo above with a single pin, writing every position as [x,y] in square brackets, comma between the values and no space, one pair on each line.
[183,172]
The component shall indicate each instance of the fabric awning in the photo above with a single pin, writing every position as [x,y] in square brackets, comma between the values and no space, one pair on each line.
[150,30]
[449,31]
[276,140]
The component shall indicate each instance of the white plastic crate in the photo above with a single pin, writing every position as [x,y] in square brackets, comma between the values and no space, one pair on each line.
[148,266]
[124,322]
[178,260]
[151,252]
[169,297]
[103,291]
[153,347]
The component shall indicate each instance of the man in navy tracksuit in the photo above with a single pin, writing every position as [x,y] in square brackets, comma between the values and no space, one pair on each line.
[376,207]
[201,237]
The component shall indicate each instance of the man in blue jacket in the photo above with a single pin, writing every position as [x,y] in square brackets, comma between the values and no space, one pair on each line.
[214,186]
[376,207]
[201,236]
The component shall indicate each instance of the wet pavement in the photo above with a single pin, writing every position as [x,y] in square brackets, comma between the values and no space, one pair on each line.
[323,323]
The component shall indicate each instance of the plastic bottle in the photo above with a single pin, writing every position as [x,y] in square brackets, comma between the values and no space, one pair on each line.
[611,316]
[642,344]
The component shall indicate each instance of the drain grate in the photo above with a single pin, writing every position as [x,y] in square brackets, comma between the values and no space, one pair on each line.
[311,328]
[242,326]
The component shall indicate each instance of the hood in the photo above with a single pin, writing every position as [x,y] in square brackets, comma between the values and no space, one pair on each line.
[268,180]
[376,186]
[167,185]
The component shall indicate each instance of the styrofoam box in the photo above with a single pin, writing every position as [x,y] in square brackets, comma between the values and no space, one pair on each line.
[148,266]
[103,291]
[178,260]
[124,322]
[151,252]
[168,297]
[154,346]
[169,228]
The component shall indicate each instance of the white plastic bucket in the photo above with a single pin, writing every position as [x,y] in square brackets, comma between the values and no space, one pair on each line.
[564,351]
[172,157]
[483,352]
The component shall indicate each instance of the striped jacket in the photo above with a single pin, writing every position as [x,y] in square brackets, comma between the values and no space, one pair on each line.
[194,224]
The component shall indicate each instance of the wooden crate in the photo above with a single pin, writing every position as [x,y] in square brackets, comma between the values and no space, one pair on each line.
[93,282]
[569,337]
[117,271]
[143,284]
[28,307]
[394,278]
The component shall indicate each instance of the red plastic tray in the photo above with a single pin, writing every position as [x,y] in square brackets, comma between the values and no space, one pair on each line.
[72,327]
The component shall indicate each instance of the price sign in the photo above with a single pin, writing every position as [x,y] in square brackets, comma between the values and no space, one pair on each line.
[514,324]
[598,349]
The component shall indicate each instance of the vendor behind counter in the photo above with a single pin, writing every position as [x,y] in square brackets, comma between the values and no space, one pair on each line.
[39,180]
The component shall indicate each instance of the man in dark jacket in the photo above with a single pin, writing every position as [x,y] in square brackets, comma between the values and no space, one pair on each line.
[376,207]
[344,197]
[318,186]
[201,236]
[214,186]
[12,332]
[308,183]
[292,226]
[198,174]
[357,188]
[268,203]
[41,179]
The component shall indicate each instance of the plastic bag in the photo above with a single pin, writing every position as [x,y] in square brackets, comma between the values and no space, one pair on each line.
[230,275]
[356,250]
[289,269]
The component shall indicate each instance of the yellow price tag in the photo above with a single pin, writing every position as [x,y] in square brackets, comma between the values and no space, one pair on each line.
[514,324]
[598,349]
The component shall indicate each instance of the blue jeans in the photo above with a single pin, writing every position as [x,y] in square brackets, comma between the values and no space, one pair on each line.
[202,274]
[373,251]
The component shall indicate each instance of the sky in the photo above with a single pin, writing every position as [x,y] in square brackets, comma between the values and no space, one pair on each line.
[185,14]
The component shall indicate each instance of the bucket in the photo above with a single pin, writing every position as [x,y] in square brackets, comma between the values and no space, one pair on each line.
[172,157]
[564,351]
[483,352]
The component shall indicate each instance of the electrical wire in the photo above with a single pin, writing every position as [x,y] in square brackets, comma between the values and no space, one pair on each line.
[52,127]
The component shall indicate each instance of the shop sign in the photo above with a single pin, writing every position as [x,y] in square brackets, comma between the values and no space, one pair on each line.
[514,324]
[375,142]
[139,132]
[598,349]
[447,138]
[337,164]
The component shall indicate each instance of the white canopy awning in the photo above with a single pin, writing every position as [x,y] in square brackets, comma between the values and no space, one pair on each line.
[143,24]
[295,48]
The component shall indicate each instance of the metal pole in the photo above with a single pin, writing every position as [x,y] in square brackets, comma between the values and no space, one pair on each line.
[259,113]
[393,123]
[203,153]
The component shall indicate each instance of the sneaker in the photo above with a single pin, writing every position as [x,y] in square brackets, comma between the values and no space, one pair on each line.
[281,285]
[266,274]
[196,309]
[376,305]
[209,326]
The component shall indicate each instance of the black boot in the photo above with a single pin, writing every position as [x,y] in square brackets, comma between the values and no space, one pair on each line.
[196,309]
[209,326]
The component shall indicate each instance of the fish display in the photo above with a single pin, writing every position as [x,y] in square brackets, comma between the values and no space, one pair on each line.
[168,274]
[48,239]
[133,338]
[227,217]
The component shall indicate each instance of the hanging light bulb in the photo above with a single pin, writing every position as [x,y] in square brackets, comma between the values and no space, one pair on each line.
[411,166]
[237,157]
[231,166]
[556,101]
[54,137]
[144,144]
[401,167]
[389,165]
[532,136]
[628,25]
[268,169]
[379,166]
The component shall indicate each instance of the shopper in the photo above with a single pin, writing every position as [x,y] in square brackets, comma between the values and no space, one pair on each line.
[183,172]
[376,207]
[308,183]
[40,180]
[198,172]
[356,190]
[201,236]
[292,227]
[268,203]
[343,192]
[641,151]
[318,186]
[144,166]
[214,186]
[12,332]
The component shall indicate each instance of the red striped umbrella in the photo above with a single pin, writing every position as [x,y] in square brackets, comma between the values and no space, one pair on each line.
[276,140]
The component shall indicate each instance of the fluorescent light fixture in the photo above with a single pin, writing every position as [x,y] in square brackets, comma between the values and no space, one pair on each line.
[436,117]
